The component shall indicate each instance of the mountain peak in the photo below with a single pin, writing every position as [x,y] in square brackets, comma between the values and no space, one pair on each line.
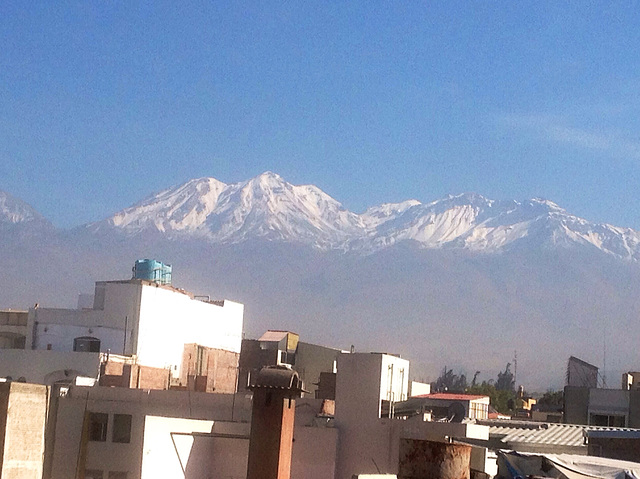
[16,211]
[269,208]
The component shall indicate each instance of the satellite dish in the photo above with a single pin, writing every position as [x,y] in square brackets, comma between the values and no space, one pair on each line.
[456,412]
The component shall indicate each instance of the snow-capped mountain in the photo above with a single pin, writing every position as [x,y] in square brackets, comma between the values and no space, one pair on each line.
[263,207]
[14,211]
[268,207]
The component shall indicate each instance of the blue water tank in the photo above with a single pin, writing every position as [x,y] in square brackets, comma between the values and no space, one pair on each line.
[152,270]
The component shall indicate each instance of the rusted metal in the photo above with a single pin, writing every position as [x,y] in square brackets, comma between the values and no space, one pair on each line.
[420,459]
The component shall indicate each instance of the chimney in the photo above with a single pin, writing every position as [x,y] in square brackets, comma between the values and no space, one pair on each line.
[271,442]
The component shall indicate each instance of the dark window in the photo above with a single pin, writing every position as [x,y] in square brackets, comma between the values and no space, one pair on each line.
[121,428]
[86,344]
[98,426]
[93,474]
[117,475]
[607,420]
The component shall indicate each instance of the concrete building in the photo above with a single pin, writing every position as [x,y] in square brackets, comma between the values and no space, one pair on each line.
[449,406]
[614,444]
[125,433]
[631,380]
[13,329]
[167,337]
[602,407]
[100,431]
[274,348]
[367,385]
[23,416]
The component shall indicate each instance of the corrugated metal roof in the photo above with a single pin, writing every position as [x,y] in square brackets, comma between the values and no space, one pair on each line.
[543,433]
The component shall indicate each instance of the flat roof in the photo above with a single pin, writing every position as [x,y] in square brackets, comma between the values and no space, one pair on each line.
[273,335]
[451,396]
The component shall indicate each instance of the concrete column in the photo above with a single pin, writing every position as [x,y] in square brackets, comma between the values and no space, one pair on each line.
[272,421]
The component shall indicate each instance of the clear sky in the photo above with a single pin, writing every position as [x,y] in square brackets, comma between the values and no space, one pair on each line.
[103,103]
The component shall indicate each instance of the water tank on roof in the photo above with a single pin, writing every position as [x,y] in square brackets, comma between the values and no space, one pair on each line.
[152,270]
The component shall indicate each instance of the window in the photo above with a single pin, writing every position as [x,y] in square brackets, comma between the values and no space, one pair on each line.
[93,474]
[117,475]
[98,427]
[608,420]
[121,429]
[478,410]
[86,344]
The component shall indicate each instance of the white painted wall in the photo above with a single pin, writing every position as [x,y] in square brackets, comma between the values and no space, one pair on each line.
[419,389]
[61,336]
[58,327]
[157,321]
[169,319]
[159,456]
[394,383]
[46,367]
[367,444]
[313,455]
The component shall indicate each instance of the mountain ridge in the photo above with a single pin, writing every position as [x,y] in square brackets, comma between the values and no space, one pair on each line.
[268,207]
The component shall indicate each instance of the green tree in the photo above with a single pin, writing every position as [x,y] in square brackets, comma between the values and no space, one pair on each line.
[506,381]
[501,393]
[449,381]
[552,398]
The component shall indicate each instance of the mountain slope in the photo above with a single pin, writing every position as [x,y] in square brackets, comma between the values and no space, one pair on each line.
[264,207]
[16,211]
[414,281]
[18,219]
[267,207]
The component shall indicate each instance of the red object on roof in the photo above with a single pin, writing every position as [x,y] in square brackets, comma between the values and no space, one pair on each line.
[451,396]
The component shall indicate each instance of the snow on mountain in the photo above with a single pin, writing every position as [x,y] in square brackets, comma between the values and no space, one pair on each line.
[265,207]
[268,207]
[14,211]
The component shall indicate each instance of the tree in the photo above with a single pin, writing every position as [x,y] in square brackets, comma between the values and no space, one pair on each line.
[506,381]
[502,401]
[501,392]
[552,398]
[448,381]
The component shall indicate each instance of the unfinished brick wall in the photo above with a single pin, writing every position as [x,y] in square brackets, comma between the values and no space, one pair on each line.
[209,370]
[136,376]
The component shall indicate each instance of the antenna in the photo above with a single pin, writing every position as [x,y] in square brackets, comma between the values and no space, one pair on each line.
[515,368]
[604,361]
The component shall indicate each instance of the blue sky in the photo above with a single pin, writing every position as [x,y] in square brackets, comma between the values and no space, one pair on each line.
[103,103]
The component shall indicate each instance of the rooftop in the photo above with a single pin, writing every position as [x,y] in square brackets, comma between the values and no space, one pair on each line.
[451,396]
[274,335]
[530,432]
[203,298]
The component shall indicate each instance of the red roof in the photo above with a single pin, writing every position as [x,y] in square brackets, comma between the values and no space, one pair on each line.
[452,396]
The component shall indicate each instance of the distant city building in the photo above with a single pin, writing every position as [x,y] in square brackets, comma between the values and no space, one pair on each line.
[631,380]
[602,407]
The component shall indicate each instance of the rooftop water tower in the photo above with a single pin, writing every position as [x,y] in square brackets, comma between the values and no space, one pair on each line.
[152,270]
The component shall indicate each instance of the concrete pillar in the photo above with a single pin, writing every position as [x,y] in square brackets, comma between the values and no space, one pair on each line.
[272,420]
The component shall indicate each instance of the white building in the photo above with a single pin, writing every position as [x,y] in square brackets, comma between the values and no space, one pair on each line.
[136,318]
[116,433]
[368,384]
